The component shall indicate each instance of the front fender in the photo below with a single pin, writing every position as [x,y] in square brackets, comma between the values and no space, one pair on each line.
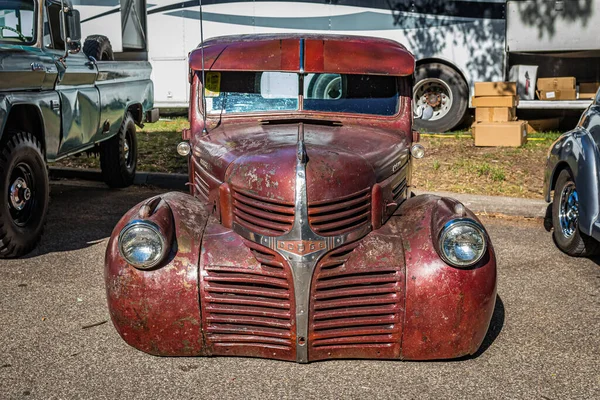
[158,310]
[447,309]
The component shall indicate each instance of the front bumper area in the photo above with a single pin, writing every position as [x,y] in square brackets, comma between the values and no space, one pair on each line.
[388,295]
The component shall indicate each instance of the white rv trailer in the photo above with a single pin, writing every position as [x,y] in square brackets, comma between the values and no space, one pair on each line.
[456,43]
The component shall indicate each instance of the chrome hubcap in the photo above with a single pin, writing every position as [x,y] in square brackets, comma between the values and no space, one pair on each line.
[127,150]
[435,93]
[568,213]
[19,194]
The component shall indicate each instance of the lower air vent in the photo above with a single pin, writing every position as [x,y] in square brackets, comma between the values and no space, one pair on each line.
[355,311]
[266,216]
[341,215]
[250,311]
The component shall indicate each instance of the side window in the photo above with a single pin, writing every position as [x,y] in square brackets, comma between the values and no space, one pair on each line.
[52,39]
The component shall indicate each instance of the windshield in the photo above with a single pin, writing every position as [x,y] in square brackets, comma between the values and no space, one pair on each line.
[245,92]
[17,22]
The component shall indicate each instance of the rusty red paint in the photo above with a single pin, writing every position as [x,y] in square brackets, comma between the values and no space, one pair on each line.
[157,311]
[322,53]
[247,298]
[387,294]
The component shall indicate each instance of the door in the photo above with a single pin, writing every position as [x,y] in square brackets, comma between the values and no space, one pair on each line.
[80,101]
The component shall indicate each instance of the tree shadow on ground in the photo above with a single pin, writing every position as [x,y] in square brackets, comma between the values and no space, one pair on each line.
[81,215]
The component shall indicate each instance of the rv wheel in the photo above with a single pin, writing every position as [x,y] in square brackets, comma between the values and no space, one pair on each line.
[444,90]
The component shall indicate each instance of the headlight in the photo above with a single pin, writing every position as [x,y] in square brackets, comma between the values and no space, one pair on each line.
[142,244]
[417,150]
[462,242]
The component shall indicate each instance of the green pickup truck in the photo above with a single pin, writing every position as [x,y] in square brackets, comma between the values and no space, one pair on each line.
[57,101]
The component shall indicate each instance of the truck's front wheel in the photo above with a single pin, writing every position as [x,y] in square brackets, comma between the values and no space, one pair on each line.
[25,194]
[118,155]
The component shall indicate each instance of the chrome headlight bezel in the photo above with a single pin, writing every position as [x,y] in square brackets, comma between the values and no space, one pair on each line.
[156,230]
[448,227]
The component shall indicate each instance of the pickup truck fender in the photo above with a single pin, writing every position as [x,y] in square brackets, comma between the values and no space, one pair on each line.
[41,117]
[447,310]
[158,310]
[113,77]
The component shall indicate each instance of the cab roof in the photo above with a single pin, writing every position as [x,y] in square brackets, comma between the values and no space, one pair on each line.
[310,53]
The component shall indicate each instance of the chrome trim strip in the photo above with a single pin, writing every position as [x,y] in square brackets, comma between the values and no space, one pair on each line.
[301,56]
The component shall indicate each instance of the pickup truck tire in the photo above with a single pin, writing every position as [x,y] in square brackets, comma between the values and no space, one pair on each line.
[118,155]
[25,193]
[99,47]
[445,90]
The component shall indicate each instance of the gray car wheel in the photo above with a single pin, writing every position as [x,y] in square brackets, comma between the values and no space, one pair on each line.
[565,219]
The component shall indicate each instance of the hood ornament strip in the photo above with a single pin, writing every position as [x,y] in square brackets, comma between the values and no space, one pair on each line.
[302,248]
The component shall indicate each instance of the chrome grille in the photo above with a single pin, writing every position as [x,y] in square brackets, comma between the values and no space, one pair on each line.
[355,311]
[266,216]
[249,311]
[341,215]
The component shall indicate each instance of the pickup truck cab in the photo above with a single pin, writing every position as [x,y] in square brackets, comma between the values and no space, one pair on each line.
[300,240]
[56,101]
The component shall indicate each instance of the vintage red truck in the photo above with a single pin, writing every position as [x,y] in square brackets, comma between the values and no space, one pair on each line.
[300,239]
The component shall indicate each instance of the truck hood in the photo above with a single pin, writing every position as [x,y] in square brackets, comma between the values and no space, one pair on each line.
[341,160]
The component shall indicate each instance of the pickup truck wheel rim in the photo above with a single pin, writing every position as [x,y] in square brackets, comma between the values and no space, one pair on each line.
[20,195]
[436,93]
[569,210]
[127,150]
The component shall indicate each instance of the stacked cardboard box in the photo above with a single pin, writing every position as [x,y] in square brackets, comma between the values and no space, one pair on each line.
[542,125]
[588,90]
[495,115]
[559,88]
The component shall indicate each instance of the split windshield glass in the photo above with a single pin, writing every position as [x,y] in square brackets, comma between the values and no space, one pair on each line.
[17,22]
[247,92]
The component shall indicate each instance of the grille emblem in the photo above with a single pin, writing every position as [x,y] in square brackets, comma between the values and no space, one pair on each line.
[301,247]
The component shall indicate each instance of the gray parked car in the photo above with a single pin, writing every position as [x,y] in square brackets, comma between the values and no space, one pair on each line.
[572,172]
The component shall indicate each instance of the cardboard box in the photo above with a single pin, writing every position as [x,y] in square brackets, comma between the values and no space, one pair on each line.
[512,134]
[495,89]
[495,114]
[495,101]
[553,84]
[542,125]
[588,90]
[562,94]
[526,77]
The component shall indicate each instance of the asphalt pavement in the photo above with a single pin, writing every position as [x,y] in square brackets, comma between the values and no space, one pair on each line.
[56,339]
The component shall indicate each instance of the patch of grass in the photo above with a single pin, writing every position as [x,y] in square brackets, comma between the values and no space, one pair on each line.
[157,149]
[484,169]
[436,165]
[167,125]
[497,174]
[464,168]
